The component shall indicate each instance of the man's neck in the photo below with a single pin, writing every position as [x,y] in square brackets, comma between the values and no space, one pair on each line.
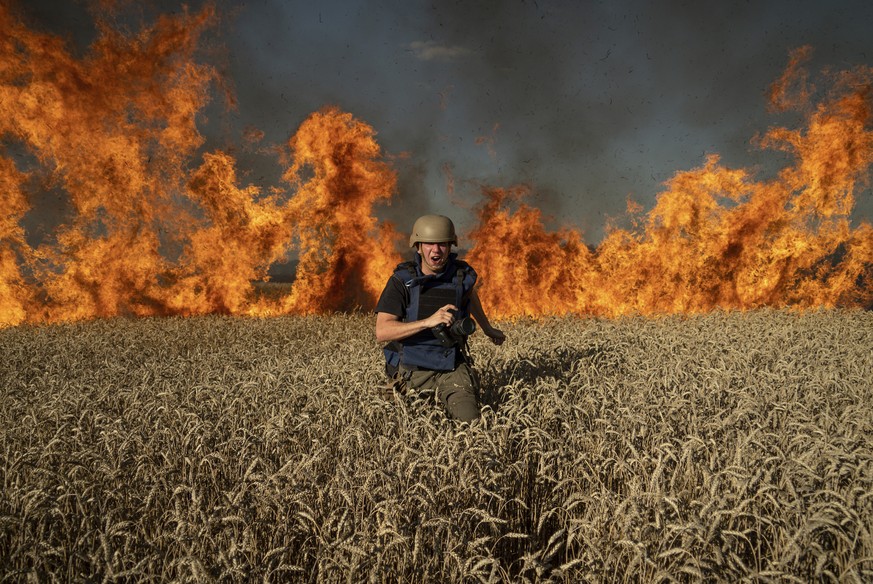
[427,271]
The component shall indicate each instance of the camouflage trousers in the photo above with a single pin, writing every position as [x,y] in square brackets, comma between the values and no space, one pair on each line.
[456,391]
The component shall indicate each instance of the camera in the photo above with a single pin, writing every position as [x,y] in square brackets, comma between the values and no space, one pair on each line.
[459,330]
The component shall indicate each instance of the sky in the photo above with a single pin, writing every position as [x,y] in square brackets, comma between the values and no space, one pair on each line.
[588,103]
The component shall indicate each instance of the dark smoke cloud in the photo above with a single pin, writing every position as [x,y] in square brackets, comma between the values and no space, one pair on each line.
[600,101]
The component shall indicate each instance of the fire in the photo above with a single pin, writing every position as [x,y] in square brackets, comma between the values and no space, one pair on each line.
[110,131]
[526,270]
[716,238]
[113,136]
[342,264]
[115,132]
[14,295]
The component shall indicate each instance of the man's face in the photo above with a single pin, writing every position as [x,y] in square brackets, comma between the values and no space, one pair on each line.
[434,256]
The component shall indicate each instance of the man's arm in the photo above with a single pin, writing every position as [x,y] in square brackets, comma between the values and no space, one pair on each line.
[496,335]
[389,327]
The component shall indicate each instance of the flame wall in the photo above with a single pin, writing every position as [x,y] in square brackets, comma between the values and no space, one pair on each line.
[716,238]
[154,226]
[115,133]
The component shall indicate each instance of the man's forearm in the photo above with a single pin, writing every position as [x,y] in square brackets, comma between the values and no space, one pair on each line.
[389,327]
[396,330]
[478,313]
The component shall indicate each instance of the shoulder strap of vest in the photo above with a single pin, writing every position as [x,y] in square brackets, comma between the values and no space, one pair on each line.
[407,274]
[405,271]
[460,274]
[465,279]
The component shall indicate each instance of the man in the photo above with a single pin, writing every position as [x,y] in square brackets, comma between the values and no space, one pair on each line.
[423,315]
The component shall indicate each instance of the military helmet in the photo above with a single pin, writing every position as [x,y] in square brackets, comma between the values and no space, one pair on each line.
[433,229]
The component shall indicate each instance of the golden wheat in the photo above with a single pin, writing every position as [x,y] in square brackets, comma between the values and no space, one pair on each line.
[729,446]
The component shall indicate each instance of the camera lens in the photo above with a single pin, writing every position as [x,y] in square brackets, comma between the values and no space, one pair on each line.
[464,327]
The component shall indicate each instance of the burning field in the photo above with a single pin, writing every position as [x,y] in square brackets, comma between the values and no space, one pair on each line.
[687,400]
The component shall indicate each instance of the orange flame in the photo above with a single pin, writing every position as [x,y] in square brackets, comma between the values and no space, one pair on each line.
[114,132]
[715,239]
[14,295]
[342,266]
[111,130]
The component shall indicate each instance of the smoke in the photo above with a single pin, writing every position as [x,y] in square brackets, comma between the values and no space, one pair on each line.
[598,102]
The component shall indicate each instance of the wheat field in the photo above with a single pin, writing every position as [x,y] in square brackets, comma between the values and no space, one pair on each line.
[721,447]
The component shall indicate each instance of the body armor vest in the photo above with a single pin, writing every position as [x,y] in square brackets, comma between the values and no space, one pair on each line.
[427,294]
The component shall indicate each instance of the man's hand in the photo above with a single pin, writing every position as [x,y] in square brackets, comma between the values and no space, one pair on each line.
[444,315]
[496,336]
